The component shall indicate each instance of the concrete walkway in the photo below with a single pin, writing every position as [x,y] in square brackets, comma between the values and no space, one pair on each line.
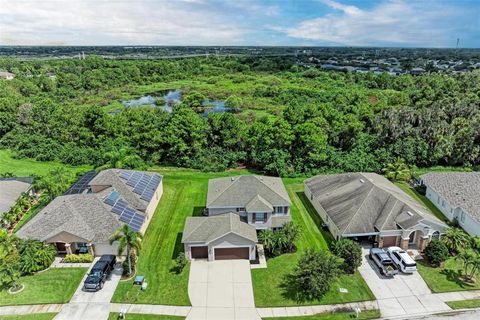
[30,309]
[459,295]
[151,309]
[221,290]
[57,263]
[91,305]
[404,294]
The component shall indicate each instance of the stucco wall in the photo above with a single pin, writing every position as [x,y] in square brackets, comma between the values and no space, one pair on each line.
[441,204]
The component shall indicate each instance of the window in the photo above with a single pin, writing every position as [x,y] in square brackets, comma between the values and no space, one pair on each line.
[260,217]
[436,235]
[280,210]
[443,203]
[462,217]
[241,209]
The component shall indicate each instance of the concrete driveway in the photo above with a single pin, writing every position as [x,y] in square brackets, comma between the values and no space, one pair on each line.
[221,290]
[91,305]
[404,294]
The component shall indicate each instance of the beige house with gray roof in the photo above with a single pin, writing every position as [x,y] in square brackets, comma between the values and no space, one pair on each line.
[367,206]
[260,201]
[219,237]
[83,219]
[457,195]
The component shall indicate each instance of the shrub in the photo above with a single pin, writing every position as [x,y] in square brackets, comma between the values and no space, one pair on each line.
[35,256]
[314,274]
[281,240]
[456,240]
[436,252]
[180,263]
[350,252]
[78,258]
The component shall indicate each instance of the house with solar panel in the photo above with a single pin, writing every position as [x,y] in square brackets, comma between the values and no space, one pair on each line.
[83,219]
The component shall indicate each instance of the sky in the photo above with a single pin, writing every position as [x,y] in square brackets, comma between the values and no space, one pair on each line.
[389,23]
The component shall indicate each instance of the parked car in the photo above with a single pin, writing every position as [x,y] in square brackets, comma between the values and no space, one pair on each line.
[110,259]
[97,276]
[383,262]
[404,262]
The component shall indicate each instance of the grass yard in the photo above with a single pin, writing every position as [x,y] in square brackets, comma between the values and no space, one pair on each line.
[137,316]
[464,304]
[184,195]
[33,316]
[422,200]
[51,286]
[268,285]
[27,167]
[370,314]
[445,279]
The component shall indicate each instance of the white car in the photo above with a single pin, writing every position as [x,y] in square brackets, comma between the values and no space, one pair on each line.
[404,262]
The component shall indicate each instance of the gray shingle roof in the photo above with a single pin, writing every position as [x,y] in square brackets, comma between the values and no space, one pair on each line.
[258,204]
[459,189]
[241,190]
[82,215]
[208,229]
[10,191]
[366,203]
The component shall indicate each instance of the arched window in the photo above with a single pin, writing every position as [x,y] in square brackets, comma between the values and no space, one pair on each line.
[436,235]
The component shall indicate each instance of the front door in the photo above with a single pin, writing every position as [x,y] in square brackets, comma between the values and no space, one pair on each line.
[60,247]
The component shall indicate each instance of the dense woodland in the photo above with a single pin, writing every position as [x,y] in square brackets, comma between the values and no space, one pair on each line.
[293,120]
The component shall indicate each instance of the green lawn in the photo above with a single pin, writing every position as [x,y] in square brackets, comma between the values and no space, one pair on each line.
[445,279]
[184,195]
[464,304]
[33,316]
[137,316]
[370,314]
[422,200]
[268,285]
[51,286]
[27,167]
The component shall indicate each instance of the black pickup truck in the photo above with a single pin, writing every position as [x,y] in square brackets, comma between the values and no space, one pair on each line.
[99,273]
[383,262]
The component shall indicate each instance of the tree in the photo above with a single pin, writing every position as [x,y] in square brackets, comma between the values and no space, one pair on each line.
[436,252]
[471,263]
[456,240]
[129,240]
[397,171]
[291,232]
[194,99]
[35,256]
[314,273]
[351,253]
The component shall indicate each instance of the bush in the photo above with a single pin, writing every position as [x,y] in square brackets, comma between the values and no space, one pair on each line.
[436,252]
[314,274]
[281,240]
[35,256]
[78,258]
[180,263]
[350,252]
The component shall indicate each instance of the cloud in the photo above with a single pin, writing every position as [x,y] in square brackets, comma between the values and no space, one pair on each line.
[116,22]
[424,24]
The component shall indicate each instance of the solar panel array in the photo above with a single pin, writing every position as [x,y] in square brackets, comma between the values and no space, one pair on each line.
[82,183]
[142,183]
[126,214]
[112,198]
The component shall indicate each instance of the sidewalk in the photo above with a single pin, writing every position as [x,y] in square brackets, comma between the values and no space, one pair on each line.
[458,295]
[312,310]
[29,309]
[151,309]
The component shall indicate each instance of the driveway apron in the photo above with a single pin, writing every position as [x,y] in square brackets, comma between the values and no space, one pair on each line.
[91,305]
[221,290]
[404,294]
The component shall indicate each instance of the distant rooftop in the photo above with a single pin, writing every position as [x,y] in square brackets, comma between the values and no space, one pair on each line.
[11,189]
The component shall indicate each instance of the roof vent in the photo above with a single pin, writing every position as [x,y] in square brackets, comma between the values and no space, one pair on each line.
[232,178]
[410,213]
[362,181]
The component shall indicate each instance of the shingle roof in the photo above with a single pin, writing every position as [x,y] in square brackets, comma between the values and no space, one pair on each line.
[10,191]
[366,203]
[240,190]
[258,204]
[459,189]
[208,229]
[82,215]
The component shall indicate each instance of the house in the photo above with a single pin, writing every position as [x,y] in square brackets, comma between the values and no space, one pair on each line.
[457,195]
[83,219]
[367,206]
[260,201]
[6,75]
[219,237]
[11,189]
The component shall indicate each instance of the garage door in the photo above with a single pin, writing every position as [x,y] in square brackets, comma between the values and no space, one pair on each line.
[232,253]
[389,241]
[199,252]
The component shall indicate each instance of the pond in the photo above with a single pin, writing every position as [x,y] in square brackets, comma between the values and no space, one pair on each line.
[170,98]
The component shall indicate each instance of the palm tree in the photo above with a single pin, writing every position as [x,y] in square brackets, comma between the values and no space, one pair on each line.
[456,240]
[128,239]
[267,238]
[471,263]
[397,171]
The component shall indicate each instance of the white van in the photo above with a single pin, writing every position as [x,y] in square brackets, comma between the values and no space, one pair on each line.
[404,262]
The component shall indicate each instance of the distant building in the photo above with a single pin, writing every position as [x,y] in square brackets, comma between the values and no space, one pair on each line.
[11,189]
[6,75]
[417,71]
